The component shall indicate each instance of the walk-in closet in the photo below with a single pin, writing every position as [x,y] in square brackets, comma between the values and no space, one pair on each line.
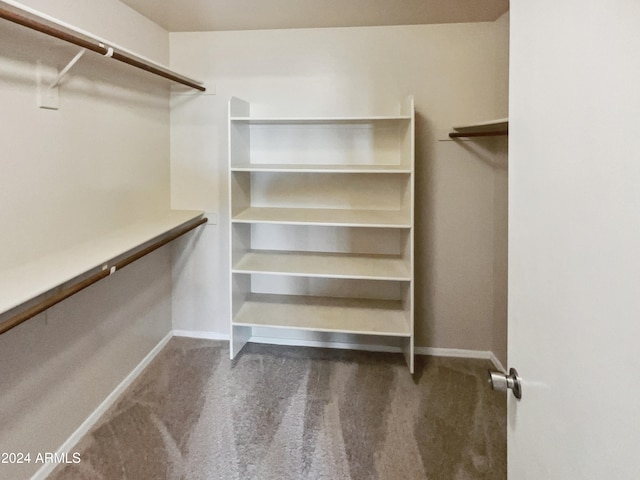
[288,239]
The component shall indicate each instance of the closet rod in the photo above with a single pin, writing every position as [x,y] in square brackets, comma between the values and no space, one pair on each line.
[495,133]
[96,46]
[65,293]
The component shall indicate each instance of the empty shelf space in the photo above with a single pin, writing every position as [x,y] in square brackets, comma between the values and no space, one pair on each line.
[324,314]
[329,265]
[329,217]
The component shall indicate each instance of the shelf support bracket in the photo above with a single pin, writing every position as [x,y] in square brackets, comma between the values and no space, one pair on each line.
[47,91]
[65,70]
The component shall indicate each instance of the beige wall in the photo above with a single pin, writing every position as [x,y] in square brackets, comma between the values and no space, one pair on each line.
[100,161]
[457,74]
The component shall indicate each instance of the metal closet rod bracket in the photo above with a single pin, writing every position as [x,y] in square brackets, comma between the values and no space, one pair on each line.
[74,60]
[65,70]
[34,20]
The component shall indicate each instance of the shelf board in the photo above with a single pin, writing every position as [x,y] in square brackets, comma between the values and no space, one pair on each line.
[44,274]
[316,168]
[326,217]
[328,265]
[318,120]
[324,314]
[496,127]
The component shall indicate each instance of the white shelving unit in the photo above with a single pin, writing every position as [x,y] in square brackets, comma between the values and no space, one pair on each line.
[322,215]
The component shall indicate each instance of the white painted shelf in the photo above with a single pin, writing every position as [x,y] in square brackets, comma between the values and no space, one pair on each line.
[43,274]
[490,128]
[325,216]
[319,168]
[489,125]
[318,120]
[321,234]
[328,265]
[324,314]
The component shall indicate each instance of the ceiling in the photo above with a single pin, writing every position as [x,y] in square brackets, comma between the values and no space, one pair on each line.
[212,15]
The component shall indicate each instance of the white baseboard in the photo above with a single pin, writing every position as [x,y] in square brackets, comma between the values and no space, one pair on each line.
[91,420]
[295,342]
[201,334]
[461,353]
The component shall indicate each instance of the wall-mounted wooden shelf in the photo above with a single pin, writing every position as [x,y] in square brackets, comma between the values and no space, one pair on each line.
[33,287]
[491,128]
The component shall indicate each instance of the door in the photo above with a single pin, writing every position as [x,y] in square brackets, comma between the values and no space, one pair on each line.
[574,239]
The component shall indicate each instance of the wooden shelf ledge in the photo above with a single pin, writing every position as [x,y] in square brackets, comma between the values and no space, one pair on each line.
[318,168]
[324,265]
[33,287]
[318,120]
[324,314]
[325,217]
[491,128]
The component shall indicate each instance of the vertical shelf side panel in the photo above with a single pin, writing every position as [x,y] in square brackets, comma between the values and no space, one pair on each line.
[240,241]
[408,149]
[407,107]
[409,353]
[238,151]
[406,250]
[239,192]
[240,290]
[407,146]
[408,141]
[406,200]
[239,133]
[239,144]
[408,343]
[239,338]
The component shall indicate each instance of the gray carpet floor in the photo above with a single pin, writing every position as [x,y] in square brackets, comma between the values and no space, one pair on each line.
[298,413]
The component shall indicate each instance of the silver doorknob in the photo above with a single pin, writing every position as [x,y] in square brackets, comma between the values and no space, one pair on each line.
[501,382]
